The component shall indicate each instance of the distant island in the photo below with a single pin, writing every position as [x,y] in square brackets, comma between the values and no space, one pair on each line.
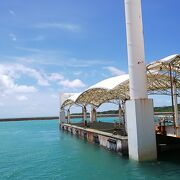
[156,109]
[109,112]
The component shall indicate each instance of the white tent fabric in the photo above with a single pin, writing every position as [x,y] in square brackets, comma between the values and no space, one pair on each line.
[158,82]
[101,92]
[110,83]
[71,100]
[162,72]
[97,93]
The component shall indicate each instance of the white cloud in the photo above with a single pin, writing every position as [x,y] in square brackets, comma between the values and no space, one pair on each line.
[33,50]
[56,58]
[7,85]
[83,63]
[40,77]
[54,96]
[6,81]
[36,105]
[24,89]
[21,98]
[114,71]
[37,38]
[78,73]
[56,77]
[9,74]
[20,94]
[13,37]
[64,26]
[77,83]
[12,12]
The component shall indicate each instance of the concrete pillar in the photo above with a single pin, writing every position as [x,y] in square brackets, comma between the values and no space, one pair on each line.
[120,113]
[84,110]
[141,131]
[123,107]
[68,116]
[91,118]
[139,109]
[93,114]
[175,107]
[62,117]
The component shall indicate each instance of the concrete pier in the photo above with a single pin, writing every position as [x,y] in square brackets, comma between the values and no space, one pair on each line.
[107,140]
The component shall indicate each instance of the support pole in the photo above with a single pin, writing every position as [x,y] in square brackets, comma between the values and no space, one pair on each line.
[120,113]
[84,113]
[62,117]
[175,108]
[139,109]
[172,97]
[93,114]
[68,116]
[123,107]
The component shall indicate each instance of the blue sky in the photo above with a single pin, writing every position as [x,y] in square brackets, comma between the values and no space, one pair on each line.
[47,47]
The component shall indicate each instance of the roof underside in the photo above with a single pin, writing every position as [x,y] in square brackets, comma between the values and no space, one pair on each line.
[117,88]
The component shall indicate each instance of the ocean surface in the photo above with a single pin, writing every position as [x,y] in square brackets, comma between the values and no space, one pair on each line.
[39,150]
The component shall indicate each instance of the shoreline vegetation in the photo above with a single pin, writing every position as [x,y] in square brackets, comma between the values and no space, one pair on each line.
[156,110]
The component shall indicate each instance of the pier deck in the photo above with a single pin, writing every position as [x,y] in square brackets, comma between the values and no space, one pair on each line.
[105,127]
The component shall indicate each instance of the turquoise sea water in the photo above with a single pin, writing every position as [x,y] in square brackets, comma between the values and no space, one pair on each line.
[39,150]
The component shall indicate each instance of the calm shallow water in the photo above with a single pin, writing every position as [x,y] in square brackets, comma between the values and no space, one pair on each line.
[38,150]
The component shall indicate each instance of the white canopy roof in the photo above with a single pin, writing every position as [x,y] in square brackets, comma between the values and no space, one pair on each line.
[98,93]
[158,82]
[110,83]
[71,100]
[162,72]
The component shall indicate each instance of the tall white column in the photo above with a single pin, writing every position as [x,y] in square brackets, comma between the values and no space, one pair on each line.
[175,108]
[135,46]
[139,109]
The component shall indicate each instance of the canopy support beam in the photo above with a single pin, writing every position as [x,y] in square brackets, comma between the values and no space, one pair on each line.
[62,117]
[93,114]
[68,116]
[175,108]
